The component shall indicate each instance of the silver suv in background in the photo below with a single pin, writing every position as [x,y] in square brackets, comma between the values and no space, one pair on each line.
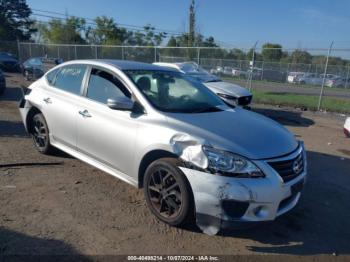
[232,94]
[160,130]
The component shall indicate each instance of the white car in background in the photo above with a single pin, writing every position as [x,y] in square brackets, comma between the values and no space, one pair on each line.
[293,77]
[310,79]
[230,93]
[238,72]
[347,127]
[217,70]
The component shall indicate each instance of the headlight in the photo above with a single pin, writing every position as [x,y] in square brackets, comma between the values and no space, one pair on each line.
[228,164]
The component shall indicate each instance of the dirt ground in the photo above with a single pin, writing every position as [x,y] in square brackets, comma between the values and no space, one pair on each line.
[60,205]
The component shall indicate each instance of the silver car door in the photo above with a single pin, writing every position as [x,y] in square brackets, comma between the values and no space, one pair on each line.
[60,104]
[105,134]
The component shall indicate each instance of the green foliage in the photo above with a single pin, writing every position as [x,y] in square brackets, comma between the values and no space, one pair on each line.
[14,20]
[272,52]
[300,57]
[64,32]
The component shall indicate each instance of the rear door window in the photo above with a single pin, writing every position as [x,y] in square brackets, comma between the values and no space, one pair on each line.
[50,77]
[70,78]
[103,85]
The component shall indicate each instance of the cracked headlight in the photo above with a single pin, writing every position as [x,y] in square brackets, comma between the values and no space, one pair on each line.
[228,164]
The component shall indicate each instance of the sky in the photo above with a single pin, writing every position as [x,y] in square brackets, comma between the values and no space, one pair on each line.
[236,23]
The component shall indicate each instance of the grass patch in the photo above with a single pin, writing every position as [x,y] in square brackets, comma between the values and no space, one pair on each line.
[328,103]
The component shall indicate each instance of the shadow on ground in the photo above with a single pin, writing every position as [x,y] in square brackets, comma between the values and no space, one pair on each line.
[12,129]
[11,94]
[15,243]
[290,118]
[319,224]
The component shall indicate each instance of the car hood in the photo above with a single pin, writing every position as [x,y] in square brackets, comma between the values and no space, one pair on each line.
[204,77]
[228,89]
[238,131]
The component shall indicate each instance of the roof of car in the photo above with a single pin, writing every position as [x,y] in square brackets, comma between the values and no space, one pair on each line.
[132,65]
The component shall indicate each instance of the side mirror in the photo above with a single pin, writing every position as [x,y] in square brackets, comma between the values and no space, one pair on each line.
[120,103]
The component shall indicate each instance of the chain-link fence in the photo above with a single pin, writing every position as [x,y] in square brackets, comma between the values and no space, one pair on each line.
[323,83]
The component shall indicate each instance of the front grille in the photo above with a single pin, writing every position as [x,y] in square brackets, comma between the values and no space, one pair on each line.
[289,169]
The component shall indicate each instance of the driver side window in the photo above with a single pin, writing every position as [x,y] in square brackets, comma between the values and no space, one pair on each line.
[103,85]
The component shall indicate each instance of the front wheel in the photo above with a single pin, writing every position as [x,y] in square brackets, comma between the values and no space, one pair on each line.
[168,193]
[40,134]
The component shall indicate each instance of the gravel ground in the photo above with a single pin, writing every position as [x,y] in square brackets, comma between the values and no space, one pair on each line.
[60,205]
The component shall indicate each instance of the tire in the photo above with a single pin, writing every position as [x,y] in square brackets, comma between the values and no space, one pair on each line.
[170,203]
[40,134]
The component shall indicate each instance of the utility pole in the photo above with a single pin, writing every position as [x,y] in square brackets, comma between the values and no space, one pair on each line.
[192,23]
[191,31]
[324,77]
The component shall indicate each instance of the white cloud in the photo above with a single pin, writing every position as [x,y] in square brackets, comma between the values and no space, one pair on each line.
[316,15]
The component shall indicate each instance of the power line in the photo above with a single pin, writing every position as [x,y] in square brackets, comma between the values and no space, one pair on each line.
[141,28]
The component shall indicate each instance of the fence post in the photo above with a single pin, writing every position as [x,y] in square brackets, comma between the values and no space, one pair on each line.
[58,51]
[347,78]
[155,54]
[30,50]
[18,49]
[252,67]
[198,55]
[122,52]
[75,52]
[96,52]
[324,77]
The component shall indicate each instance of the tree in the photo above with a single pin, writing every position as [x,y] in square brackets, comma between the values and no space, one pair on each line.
[107,32]
[147,37]
[272,52]
[300,57]
[69,31]
[15,22]
[236,54]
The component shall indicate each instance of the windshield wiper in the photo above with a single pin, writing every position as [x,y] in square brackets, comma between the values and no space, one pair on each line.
[208,109]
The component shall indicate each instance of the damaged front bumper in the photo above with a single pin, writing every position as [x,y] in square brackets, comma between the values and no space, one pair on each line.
[223,201]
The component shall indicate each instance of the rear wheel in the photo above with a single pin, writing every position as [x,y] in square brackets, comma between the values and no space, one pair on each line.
[40,134]
[168,193]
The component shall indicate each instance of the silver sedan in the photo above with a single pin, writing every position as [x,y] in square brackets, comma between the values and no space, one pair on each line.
[162,131]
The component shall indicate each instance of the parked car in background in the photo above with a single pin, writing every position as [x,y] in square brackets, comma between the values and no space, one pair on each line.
[231,93]
[273,75]
[338,82]
[347,127]
[294,76]
[2,82]
[35,67]
[256,75]
[195,158]
[216,70]
[310,79]
[9,63]
[227,71]
[239,72]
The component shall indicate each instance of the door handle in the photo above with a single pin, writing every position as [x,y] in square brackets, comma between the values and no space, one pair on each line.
[85,113]
[47,100]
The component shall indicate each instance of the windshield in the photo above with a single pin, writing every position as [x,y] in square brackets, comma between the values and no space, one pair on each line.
[194,70]
[175,92]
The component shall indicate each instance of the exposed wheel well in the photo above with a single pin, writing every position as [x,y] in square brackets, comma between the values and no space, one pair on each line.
[148,159]
[32,112]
